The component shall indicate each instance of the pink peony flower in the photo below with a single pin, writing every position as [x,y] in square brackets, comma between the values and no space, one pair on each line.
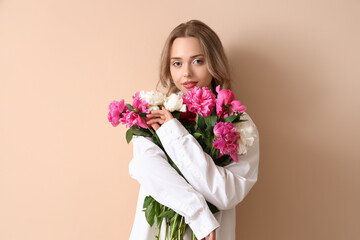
[116,109]
[224,96]
[226,139]
[225,103]
[139,105]
[200,101]
[236,106]
[131,118]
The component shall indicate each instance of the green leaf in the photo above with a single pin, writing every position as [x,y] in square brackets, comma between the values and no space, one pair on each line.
[157,213]
[157,141]
[217,152]
[134,131]
[223,160]
[200,121]
[214,111]
[167,214]
[129,135]
[142,114]
[190,128]
[197,135]
[130,107]
[231,118]
[141,132]
[176,114]
[210,121]
[150,214]
[238,120]
[147,201]
[209,131]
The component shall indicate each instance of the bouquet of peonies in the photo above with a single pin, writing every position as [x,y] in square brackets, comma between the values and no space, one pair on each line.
[217,122]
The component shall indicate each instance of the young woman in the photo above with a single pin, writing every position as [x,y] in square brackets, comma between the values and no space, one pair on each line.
[192,56]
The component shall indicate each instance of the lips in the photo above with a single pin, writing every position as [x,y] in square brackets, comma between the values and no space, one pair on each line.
[189,84]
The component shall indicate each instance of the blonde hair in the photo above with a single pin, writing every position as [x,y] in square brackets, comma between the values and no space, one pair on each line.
[217,63]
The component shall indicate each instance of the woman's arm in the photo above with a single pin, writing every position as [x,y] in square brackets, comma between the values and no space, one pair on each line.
[224,187]
[151,169]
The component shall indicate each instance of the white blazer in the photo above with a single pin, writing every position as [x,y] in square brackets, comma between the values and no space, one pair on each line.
[224,187]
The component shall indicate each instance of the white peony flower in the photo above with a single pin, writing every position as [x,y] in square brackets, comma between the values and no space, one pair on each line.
[247,135]
[152,97]
[174,102]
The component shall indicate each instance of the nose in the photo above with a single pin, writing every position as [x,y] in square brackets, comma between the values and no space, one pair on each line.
[187,70]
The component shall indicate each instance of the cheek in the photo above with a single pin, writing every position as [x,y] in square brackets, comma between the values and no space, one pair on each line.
[175,77]
[172,72]
[206,76]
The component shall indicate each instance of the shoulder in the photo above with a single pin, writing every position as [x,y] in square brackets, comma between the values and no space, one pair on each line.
[247,116]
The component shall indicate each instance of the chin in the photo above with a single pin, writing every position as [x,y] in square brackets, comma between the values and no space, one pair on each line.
[184,90]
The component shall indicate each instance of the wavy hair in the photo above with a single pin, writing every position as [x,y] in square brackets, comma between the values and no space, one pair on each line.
[216,60]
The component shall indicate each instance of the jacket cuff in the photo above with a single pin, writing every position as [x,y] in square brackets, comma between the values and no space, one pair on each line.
[171,130]
[203,224]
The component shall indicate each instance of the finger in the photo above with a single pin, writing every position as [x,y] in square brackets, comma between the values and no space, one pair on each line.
[154,114]
[155,120]
[157,116]
[157,111]
[163,111]
[212,235]
[167,113]
[155,126]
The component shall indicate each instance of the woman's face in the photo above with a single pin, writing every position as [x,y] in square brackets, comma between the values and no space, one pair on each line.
[188,65]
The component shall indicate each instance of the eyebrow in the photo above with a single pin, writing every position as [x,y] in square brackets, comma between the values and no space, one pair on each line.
[194,56]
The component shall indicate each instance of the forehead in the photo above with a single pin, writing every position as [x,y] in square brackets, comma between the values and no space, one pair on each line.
[185,47]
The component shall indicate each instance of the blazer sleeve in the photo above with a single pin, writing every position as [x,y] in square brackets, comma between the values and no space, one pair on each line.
[151,169]
[224,187]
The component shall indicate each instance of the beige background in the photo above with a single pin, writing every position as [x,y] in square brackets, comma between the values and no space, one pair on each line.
[64,168]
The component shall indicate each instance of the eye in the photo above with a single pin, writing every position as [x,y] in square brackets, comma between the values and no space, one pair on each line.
[198,61]
[176,64]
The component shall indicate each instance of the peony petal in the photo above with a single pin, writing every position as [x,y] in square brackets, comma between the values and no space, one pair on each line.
[140,122]
[234,157]
[236,106]
[217,88]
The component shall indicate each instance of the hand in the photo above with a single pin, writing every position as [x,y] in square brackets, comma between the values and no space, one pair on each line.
[159,117]
[212,235]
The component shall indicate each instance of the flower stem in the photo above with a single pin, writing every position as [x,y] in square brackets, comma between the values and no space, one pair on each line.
[193,236]
[147,126]
[184,230]
[166,228]
[212,152]
[179,232]
[160,224]
[172,231]
[158,234]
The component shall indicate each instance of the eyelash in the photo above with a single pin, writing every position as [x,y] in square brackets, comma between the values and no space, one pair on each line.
[200,61]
